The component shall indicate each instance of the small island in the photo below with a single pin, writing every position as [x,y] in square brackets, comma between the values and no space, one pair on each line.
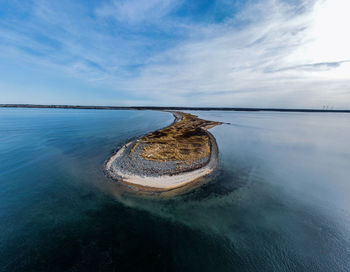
[168,158]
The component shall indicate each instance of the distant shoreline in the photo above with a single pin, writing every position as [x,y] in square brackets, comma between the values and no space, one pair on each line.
[37,106]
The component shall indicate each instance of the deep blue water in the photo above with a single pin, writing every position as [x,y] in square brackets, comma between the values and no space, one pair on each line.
[279,200]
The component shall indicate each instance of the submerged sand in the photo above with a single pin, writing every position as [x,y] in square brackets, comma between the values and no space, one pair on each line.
[168,158]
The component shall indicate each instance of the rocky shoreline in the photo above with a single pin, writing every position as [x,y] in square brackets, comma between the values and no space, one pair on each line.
[149,161]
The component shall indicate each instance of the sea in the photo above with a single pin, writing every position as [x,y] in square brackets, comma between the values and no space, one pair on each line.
[278,201]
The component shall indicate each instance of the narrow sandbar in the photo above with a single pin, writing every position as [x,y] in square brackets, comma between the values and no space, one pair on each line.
[167,158]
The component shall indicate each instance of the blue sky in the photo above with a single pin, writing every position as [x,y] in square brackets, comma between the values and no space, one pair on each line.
[255,53]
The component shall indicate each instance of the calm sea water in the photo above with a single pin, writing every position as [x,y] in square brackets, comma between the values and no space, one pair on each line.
[279,200]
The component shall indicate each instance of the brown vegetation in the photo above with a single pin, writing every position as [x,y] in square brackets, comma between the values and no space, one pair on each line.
[185,141]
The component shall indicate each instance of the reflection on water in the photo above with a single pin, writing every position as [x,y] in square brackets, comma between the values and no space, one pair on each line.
[277,202]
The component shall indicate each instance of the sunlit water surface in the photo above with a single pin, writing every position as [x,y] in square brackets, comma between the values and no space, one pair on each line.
[279,200]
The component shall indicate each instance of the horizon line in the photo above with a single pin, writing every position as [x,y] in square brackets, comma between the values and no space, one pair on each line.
[203,108]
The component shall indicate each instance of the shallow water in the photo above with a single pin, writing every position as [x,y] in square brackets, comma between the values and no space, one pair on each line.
[279,200]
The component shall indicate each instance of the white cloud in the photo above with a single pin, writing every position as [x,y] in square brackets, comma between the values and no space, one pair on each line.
[137,11]
[231,68]
[327,37]
[270,54]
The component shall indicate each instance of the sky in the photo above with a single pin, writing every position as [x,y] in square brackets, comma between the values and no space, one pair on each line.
[254,53]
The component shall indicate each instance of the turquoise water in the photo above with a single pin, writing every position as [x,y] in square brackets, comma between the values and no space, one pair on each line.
[279,200]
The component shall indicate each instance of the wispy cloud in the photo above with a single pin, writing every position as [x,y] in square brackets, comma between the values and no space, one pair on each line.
[230,67]
[320,66]
[137,11]
[264,54]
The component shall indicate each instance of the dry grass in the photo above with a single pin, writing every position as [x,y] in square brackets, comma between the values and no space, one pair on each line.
[185,141]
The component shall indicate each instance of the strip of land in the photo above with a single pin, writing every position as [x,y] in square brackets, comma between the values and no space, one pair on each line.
[167,158]
[170,108]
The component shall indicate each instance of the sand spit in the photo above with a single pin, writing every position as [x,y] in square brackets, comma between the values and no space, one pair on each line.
[168,158]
